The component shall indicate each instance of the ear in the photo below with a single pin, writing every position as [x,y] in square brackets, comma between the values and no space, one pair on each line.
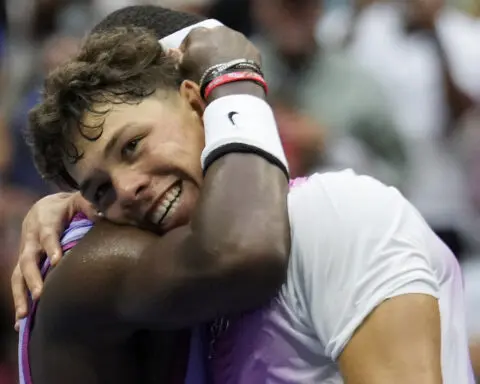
[190,91]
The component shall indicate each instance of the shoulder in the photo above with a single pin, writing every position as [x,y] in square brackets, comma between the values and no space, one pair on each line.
[343,195]
[82,290]
[332,27]
[356,242]
[351,217]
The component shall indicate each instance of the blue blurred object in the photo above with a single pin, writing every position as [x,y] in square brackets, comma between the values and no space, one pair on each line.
[2,42]
[328,4]
[23,172]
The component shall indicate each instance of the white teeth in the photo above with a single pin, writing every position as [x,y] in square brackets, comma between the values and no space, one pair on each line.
[168,204]
[171,195]
[158,214]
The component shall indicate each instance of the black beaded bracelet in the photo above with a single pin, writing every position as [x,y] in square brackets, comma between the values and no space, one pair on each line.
[222,69]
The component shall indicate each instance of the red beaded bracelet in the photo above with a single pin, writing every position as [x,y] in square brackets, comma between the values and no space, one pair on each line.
[233,77]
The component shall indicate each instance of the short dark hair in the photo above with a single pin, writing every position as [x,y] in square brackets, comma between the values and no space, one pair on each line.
[161,21]
[120,62]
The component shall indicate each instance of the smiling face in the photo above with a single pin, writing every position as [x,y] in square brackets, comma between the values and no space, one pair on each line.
[119,123]
[144,169]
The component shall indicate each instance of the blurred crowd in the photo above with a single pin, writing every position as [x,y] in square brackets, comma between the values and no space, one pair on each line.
[390,88]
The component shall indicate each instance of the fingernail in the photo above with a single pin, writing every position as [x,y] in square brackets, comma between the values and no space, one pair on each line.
[17,326]
[36,292]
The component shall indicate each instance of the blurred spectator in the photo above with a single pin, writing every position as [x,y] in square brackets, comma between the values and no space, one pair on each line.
[328,88]
[23,174]
[200,7]
[427,57]
[102,8]
[44,20]
[235,14]
[5,147]
[302,139]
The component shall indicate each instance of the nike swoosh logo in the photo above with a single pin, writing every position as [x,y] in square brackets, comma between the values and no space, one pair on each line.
[230,117]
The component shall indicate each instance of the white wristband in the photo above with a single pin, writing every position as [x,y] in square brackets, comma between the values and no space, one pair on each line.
[241,123]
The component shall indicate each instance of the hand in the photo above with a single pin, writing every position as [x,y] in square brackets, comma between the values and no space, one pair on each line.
[203,48]
[41,231]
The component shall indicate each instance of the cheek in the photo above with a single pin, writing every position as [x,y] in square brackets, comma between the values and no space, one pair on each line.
[116,214]
[181,150]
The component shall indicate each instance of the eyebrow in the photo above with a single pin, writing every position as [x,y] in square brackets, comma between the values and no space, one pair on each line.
[84,187]
[114,139]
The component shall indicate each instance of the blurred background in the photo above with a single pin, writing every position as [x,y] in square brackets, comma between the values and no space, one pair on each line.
[388,88]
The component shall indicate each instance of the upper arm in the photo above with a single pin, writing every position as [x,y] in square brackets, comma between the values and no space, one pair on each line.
[82,291]
[370,246]
[176,283]
[399,342]
[134,279]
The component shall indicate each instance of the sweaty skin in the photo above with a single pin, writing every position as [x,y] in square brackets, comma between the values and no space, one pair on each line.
[105,308]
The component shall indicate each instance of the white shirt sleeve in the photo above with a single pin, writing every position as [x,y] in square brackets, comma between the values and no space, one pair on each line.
[471,275]
[355,243]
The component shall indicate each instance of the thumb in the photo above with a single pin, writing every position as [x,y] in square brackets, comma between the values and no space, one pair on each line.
[176,55]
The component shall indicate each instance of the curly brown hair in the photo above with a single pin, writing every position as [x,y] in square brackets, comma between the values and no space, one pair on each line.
[122,65]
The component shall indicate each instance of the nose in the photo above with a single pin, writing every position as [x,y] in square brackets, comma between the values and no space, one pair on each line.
[130,187]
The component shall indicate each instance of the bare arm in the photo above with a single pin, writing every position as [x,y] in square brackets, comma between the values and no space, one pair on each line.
[232,256]
[475,356]
[398,343]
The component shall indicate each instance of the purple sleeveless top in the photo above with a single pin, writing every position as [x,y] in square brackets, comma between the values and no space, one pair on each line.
[78,228]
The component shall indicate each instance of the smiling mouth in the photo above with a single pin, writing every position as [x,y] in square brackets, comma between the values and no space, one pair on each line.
[168,205]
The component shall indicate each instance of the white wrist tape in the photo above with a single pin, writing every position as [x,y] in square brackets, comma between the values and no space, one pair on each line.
[241,123]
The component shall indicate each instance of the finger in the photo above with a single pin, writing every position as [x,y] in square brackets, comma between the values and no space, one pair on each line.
[193,35]
[80,204]
[27,235]
[50,244]
[19,292]
[175,54]
[31,272]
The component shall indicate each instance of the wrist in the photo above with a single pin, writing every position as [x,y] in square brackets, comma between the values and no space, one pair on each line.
[241,123]
[237,88]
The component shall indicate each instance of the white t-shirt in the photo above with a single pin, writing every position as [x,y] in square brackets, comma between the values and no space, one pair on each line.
[471,273]
[355,243]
